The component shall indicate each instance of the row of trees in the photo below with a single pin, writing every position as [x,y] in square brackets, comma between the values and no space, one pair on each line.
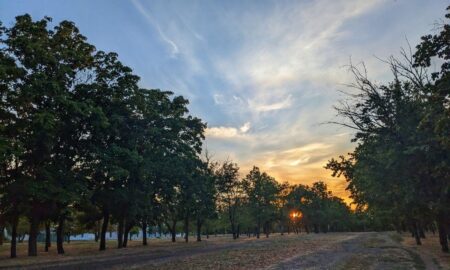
[400,170]
[81,143]
[77,132]
[259,204]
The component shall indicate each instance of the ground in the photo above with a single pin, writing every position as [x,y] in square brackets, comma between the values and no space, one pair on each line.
[387,250]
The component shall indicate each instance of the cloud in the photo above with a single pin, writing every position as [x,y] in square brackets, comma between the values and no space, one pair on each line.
[288,46]
[258,107]
[268,78]
[303,155]
[245,127]
[221,132]
[218,99]
[227,132]
[154,23]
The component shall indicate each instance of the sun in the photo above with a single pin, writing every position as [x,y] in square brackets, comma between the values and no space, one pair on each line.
[296,215]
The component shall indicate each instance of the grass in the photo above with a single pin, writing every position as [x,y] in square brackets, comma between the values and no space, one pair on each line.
[88,250]
[430,250]
[396,237]
[374,250]
[418,262]
[258,254]
[241,254]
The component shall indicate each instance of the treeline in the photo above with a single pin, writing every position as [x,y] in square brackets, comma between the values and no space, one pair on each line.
[83,148]
[400,169]
[77,132]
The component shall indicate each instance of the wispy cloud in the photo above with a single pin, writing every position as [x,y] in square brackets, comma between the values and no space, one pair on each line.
[146,13]
[266,74]
[261,107]
[290,46]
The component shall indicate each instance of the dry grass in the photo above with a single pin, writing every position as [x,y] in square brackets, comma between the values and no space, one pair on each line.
[220,252]
[383,251]
[259,254]
[88,250]
[372,251]
[430,250]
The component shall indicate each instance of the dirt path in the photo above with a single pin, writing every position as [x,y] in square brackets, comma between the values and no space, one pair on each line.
[324,258]
[362,251]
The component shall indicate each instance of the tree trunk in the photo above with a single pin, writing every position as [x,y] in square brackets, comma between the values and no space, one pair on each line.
[433,229]
[232,220]
[316,228]
[172,230]
[173,234]
[415,229]
[233,230]
[2,233]
[13,251]
[186,229]
[199,230]
[258,228]
[421,232]
[104,228]
[144,233]
[120,233]
[159,230]
[125,238]
[32,238]
[442,230]
[128,227]
[48,241]
[60,236]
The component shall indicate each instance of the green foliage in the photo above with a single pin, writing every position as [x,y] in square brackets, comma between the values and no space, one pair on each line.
[400,167]
[261,192]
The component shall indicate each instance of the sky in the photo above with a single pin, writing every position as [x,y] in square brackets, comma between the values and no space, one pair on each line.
[263,75]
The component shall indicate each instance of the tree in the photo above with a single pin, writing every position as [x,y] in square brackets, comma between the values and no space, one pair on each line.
[402,132]
[205,194]
[230,192]
[77,131]
[262,193]
[436,121]
[49,62]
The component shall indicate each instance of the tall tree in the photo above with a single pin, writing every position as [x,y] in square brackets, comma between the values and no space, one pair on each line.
[262,193]
[230,192]
[50,62]
[402,132]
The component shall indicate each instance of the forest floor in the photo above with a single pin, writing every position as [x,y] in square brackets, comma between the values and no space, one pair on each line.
[387,250]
